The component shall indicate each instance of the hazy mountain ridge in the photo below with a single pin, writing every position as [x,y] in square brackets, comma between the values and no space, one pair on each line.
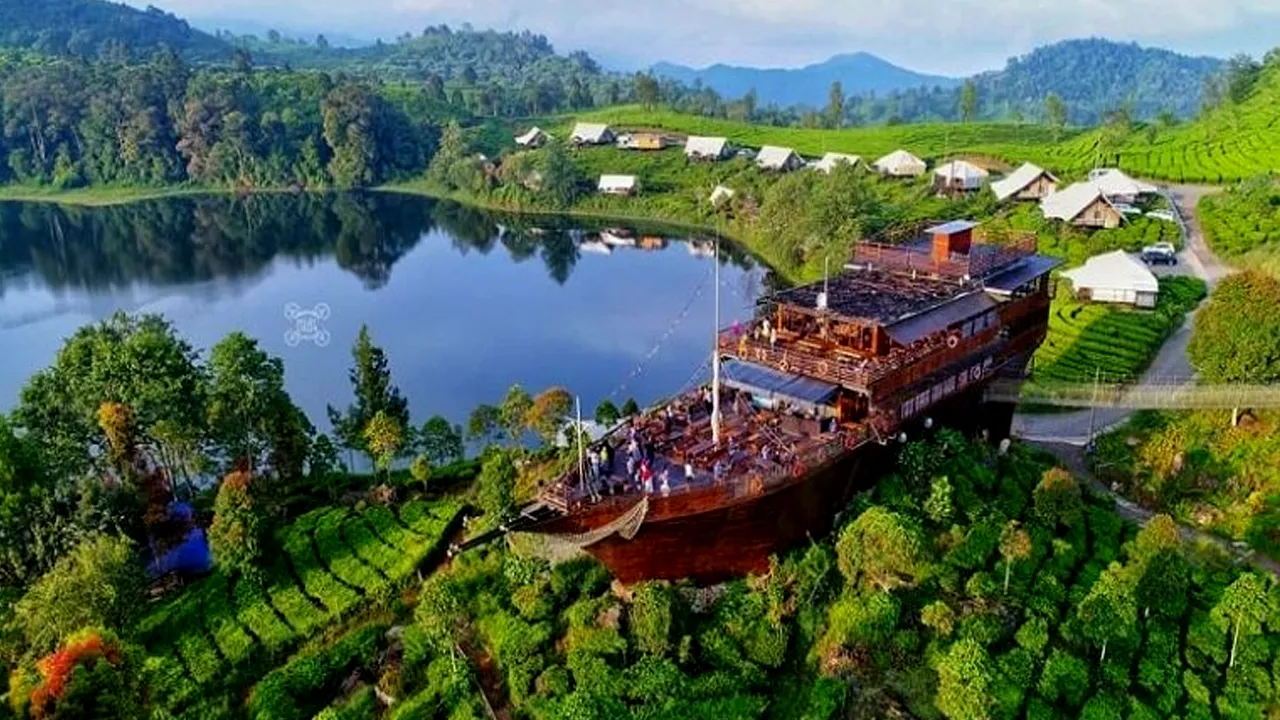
[859,73]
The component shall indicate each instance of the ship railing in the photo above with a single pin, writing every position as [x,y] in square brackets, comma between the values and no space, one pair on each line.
[568,494]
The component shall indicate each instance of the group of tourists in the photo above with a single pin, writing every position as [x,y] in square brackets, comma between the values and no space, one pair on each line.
[640,464]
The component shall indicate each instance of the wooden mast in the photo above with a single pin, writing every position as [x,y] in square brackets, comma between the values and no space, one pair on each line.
[715,355]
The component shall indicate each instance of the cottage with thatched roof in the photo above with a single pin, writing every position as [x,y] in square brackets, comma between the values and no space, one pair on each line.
[1029,182]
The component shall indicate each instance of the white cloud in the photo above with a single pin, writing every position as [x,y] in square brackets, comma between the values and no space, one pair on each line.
[952,36]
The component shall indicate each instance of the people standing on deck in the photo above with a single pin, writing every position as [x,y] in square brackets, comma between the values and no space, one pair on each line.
[593,466]
[719,471]
[665,481]
[646,477]
[688,472]
[631,468]
[606,459]
[773,338]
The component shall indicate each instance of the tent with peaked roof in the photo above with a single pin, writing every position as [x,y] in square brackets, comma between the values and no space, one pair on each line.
[618,184]
[1083,205]
[1119,187]
[534,138]
[901,163]
[706,148]
[781,159]
[1029,182]
[831,159]
[959,175]
[592,134]
[1116,277]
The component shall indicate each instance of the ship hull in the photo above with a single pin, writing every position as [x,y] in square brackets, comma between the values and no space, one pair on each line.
[709,540]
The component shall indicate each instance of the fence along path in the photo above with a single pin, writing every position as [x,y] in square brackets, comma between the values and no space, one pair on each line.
[1157,395]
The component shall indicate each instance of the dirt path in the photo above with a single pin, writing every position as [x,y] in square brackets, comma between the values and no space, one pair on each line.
[1072,457]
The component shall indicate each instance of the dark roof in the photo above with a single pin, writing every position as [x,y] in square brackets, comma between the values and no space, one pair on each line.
[874,296]
[939,318]
[1026,270]
[767,381]
[951,228]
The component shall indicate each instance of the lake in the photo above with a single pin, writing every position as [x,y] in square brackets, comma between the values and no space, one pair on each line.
[466,302]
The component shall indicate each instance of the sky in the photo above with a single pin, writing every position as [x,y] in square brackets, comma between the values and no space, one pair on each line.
[950,37]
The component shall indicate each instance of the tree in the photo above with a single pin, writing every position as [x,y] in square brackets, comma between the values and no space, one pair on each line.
[1015,545]
[92,674]
[239,530]
[1109,612]
[433,85]
[1237,334]
[964,680]
[322,42]
[647,91]
[452,150]
[383,437]
[749,102]
[1159,568]
[883,550]
[630,409]
[835,104]
[1057,499]
[349,118]
[495,488]
[484,423]
[561,178]
[241,61]
[99,583]
[251,417]
[1056,112]
[420,470]
[650,618]
[1242,75]
[441,442]
[939,616]
[968,101]
[1244,608]
[370,377]
[938,505]
[607,413]
[548,413]
[513,413]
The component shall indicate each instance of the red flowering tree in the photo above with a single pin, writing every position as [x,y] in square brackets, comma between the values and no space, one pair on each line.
[238,533]
[89,675]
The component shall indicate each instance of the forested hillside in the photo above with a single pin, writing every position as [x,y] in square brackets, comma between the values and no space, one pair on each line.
[67,124]
[94,28]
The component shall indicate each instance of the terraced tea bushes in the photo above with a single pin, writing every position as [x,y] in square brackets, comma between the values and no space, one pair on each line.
[225,632]
[1088,340]
[1243,223]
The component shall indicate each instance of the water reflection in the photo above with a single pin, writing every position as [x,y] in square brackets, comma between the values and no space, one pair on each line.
[465,301]
[192,240]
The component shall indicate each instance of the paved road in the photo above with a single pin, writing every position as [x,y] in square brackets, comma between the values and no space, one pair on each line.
[1072,458]
[1171,362]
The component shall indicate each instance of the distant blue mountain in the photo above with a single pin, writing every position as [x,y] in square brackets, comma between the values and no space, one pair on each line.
[859,73]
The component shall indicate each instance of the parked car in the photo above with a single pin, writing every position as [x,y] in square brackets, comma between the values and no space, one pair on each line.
[1126,209]
[1162,215]
[1160,254]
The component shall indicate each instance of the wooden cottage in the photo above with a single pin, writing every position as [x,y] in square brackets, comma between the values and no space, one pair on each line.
[1082,205]
[1029,182]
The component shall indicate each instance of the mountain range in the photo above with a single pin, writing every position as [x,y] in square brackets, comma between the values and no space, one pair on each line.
[858,73]
[1092,76]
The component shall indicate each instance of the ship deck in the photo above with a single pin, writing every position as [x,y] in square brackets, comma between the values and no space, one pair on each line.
[758,447]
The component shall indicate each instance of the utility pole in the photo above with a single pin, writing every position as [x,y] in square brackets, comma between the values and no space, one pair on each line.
[1093,407]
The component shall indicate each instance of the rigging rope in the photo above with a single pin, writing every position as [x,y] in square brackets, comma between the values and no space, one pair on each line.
[560,548]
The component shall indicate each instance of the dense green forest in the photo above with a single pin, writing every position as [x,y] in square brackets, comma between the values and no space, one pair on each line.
[97,28]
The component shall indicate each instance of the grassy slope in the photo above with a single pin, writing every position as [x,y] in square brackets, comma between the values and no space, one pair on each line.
[1226,145]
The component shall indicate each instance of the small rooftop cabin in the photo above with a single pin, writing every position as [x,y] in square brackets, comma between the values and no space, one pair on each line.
[901,313]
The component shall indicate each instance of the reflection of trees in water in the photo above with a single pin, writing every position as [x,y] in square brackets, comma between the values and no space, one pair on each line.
[188,240]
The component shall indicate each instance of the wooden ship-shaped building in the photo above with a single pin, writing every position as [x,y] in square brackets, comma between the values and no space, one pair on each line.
[806,407]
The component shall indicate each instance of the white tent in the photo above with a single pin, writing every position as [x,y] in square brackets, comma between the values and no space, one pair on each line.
[1119,187]
[706,148]
[778,158]
[1069,205]
[960,175]
[722,194]
[618,184]
[534,138]
[1025,179]
[901,163]
[831,159]
[1116,277]
[591,134]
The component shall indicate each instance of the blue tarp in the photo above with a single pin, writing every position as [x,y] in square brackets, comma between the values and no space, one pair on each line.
[768,382]
[191,556]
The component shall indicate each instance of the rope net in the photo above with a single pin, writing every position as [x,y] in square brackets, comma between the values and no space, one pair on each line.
[562,548]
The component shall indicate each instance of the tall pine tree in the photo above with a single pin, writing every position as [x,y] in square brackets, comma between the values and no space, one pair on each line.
[370,376]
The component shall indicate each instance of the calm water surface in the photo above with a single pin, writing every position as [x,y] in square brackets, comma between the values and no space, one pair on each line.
[465,302]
